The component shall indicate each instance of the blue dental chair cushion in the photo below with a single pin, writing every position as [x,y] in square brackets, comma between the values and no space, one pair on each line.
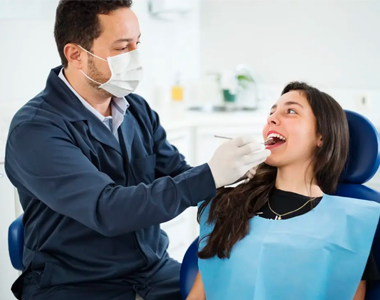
[16,243]
[362,164]
[364,160]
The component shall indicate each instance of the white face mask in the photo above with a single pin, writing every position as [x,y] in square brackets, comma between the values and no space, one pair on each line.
[126,73]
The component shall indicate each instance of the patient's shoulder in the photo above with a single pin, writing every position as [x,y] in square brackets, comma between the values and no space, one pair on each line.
[204,210]
[205,226]
[347,201]
[363,209]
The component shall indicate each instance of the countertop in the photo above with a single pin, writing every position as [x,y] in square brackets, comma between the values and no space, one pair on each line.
[179,118]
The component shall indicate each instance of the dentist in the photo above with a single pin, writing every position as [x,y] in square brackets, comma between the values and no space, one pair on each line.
[95,173]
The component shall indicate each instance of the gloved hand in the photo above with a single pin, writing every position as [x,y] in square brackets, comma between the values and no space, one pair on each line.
[245,179]
[233,159]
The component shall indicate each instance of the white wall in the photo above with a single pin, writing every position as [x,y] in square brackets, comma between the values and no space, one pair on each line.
[28,51]
[168,48]
[331,44]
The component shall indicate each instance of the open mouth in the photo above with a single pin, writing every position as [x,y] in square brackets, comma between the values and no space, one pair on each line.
[275,139]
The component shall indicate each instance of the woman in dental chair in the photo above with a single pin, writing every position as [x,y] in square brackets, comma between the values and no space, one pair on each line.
[282,235]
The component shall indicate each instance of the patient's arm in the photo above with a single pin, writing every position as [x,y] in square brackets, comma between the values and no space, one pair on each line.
[198,291]
[360,292]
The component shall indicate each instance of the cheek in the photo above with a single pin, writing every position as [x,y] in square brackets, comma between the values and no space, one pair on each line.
[265,131]
[297,137]
[302,141]
[104,69]
[299,133]
[98,67]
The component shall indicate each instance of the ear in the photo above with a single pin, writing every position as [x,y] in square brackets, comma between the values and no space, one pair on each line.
[320,141]
[75,56]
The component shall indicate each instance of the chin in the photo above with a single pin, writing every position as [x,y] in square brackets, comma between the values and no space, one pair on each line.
[271,162]
[274,162]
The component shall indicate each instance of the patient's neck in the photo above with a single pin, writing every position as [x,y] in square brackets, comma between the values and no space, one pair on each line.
[297,179]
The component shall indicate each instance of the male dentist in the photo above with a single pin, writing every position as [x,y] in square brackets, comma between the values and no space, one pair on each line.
[95,173]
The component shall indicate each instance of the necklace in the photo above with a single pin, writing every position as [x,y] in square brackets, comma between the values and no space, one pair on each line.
[279,217]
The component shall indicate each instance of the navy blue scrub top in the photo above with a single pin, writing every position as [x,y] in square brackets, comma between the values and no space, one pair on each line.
[92,206]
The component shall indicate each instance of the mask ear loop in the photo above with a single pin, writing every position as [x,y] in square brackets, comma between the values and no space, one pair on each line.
[88,77]
[91,53]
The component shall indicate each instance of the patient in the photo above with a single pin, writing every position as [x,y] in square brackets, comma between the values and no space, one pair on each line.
[282,235]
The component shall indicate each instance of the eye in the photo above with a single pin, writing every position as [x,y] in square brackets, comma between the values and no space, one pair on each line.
[127,47]
[291,111]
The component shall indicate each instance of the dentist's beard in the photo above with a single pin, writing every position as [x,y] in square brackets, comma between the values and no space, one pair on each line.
[98,76]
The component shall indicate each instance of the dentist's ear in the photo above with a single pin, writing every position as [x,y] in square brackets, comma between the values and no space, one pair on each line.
[74,55]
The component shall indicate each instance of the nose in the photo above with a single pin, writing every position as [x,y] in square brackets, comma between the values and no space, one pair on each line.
[273,119]
[133,46]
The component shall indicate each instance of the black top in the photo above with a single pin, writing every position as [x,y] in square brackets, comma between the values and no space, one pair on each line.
[282,202]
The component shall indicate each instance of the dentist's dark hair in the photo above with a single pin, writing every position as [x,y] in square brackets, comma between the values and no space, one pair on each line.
[77,21]
[232,208]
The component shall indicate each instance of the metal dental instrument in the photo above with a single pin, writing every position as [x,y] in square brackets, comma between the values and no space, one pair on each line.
[268,141]
[222,137]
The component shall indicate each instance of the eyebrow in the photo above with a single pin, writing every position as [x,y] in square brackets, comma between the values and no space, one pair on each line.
[288,104]
[125,40]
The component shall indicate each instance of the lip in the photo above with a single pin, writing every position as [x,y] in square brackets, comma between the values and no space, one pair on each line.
[275,145]
[275,132]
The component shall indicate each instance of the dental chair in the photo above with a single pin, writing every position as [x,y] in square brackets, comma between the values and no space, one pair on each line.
[363,163]
[16,243]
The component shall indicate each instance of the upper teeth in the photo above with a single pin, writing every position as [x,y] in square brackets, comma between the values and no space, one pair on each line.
[276,135]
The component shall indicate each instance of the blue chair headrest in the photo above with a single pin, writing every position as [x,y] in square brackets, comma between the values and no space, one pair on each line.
[16,243]
[364,153]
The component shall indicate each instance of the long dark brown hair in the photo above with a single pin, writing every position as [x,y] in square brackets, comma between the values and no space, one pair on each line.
[232,208]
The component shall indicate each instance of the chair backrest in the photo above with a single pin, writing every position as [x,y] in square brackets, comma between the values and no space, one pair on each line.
[189,269]
[16,243]
[363,163]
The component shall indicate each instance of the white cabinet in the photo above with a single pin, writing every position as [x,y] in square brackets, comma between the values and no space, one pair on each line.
[183,229]
[182,139]
[7,215]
